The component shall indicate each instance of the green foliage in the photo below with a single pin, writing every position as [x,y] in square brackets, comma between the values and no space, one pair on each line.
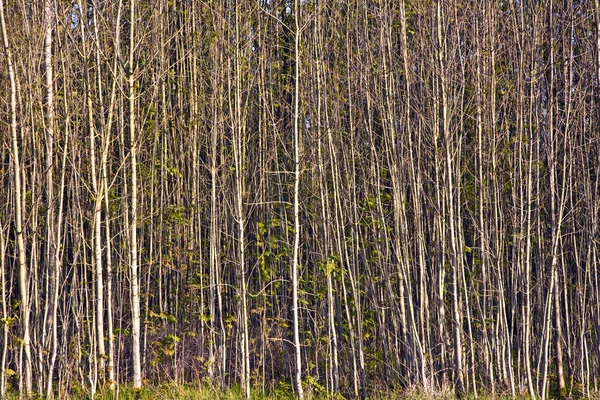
[271,249]
[283,390]
[314,390]
[163,349]
[166,392]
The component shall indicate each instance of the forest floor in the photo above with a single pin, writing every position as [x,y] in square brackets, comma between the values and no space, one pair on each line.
[279,392]
[173,392]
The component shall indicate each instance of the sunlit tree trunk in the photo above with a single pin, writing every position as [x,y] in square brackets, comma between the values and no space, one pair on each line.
[5,314]
[133,143]
[106,141]
[239,154]
[54,221]
[330,264]
[455,251]
[18,212]
[296,203]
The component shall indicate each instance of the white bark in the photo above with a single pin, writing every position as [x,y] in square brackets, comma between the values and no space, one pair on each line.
[23,278]
[135,287]
[296,250]
[239,145]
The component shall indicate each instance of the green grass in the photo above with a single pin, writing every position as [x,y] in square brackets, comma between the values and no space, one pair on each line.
[282,391]
[177,392]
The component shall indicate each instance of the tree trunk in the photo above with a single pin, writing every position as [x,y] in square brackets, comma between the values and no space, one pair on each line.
[134,276]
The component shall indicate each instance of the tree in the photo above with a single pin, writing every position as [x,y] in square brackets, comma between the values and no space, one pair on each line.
[133,242]
[17,204]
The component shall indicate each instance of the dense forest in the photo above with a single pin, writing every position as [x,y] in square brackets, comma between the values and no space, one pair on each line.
[338,197]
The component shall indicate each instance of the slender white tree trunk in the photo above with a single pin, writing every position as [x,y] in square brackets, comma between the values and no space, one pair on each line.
[53,226]
[456,252]
[296,254]
[4,313]
[104,165]
[23,287]
[135,287]
[239,146]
